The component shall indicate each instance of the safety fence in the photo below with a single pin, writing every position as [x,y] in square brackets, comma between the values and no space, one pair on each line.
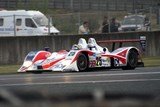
[80,5]
[92,11]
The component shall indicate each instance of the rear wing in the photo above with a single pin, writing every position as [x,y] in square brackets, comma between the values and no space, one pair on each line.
[141,40]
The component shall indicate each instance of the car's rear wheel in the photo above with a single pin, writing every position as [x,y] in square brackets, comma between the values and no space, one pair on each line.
[82,62]
[132,60]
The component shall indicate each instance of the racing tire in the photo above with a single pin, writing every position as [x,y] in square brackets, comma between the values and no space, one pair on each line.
[82,62]
[132,60]
[39,72]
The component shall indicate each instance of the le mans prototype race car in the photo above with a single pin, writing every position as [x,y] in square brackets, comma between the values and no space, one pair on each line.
[81,57]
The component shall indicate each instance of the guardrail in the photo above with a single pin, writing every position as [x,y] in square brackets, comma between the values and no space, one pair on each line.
[14,49]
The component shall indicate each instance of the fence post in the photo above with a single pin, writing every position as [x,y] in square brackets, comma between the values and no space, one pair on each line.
[14,22]
[79,19]
[26,4]
[109,22]
[46,5]
[71,4]
[150,14]
[136,12]
[49,25]
[134,5]
[159,17]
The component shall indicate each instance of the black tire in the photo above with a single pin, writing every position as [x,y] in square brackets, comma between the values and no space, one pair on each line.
[37,72]
[82,62]
[112,62]
[132,60]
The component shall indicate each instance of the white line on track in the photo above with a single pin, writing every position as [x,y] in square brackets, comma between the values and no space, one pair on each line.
[78,76]
[80,82]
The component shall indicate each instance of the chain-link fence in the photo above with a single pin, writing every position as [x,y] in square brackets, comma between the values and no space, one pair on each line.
[75,12]
[69,23]
[80,5]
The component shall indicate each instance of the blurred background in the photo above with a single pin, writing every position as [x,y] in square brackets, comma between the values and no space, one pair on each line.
[68,15]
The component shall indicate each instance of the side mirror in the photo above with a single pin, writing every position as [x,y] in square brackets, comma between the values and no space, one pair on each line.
[104,50]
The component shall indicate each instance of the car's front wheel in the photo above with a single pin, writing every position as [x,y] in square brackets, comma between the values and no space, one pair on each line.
[82,62]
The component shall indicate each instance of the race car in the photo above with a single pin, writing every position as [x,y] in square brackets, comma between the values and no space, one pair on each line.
[81,57]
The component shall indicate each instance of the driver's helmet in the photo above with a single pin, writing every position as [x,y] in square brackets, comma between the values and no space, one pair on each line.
[82,42]
[76,47]
[91,43]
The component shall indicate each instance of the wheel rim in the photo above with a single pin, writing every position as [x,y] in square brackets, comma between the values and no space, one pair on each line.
[82,62]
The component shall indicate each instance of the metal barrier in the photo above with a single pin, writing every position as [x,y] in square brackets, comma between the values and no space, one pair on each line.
[14,49]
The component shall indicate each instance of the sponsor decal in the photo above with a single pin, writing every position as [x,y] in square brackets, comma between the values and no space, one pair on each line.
[99,61]
[92,63]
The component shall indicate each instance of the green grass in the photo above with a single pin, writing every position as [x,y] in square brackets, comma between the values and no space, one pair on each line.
[9,69]
[12,69]
[151,61]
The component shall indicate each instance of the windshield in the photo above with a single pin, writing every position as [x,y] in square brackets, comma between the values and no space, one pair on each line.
[31,55]
[41,20]
[133,20]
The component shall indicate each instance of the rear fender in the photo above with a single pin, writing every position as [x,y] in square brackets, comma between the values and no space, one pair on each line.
[122,55]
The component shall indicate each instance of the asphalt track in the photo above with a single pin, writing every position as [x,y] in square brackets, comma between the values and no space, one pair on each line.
[141,80]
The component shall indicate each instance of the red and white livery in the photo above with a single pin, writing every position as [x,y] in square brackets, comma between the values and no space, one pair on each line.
[81,57]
